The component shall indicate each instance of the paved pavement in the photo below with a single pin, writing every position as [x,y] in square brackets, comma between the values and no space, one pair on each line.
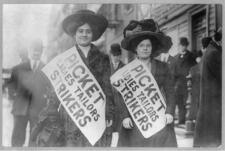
[183,140]
[7,121]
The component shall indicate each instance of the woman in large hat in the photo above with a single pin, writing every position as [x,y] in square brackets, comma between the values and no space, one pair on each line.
[145,40]
[85,27]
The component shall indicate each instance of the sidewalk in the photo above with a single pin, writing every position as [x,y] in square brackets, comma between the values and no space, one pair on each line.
[184,138]
[7,122]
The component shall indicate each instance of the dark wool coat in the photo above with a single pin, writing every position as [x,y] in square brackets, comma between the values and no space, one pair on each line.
[166,137]
[19,88]
[208,124]
[37,89]
[182,66]
[118,100]
[27,89]
[99,65]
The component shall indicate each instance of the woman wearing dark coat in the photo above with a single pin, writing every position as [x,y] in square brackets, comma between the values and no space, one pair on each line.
[85,27]
[145,39]
[209,117]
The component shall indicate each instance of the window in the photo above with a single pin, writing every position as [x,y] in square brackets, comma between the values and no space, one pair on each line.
[128,8]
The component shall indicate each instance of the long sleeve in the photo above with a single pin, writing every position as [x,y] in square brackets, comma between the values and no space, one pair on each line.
[125,112]
[12,84]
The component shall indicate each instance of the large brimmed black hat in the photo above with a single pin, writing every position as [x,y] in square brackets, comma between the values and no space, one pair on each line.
[97,22]
[136,31]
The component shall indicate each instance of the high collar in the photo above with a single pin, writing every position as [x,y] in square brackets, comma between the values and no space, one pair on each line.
[152,65]
[84,50]
[93,54]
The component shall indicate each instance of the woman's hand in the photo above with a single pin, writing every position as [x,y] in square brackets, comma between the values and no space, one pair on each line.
[169,118]
[127,123]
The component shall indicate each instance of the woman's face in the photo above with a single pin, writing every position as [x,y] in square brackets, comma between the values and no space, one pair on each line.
[144,49]
[83,35]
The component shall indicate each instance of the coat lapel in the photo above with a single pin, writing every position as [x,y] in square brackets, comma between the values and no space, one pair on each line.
[93,55]
[82,55]
[120,65]
[27,66]
[40,65]
[153,67]
[111,67]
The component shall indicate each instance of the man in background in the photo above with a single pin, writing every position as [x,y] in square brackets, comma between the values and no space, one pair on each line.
[184,60]
[115,64]
[26,91]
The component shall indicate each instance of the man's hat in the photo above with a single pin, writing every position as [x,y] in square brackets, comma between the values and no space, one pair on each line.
[205,41]
[136,31]
[115,49]
[97,22]
[184,41]
[218,34]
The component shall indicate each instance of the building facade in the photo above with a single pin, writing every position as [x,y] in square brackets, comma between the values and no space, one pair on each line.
[193,21]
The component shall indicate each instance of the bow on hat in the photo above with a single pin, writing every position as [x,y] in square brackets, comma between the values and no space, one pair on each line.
[143,25]
[145,29]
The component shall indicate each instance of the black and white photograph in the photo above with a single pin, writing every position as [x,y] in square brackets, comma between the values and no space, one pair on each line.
[114,75]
